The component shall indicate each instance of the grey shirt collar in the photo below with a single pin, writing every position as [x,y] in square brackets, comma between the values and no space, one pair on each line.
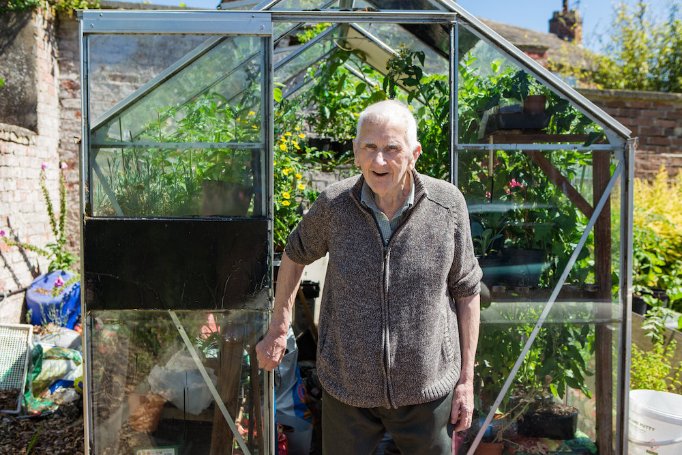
[367,199]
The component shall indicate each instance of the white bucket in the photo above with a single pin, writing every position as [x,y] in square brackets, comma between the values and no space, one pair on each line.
[655,423]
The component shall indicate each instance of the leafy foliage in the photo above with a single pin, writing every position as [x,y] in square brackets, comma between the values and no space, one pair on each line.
[65,6]
[654,370]
[60,258]
[642,53]
[657,256]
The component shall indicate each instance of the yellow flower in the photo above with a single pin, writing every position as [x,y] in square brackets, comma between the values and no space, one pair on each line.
[297,128]
[286,195]
[302,136]
[283,147]
[286,203]
[286,171]
[296,145]
[287,134]
[298,176]
[251,114]
[301,186]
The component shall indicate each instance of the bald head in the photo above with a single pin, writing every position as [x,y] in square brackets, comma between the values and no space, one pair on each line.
[394,112]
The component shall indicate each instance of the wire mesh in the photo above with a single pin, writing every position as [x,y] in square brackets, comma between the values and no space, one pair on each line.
[14,356]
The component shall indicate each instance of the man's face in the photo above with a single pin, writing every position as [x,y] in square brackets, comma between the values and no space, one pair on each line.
[383,155]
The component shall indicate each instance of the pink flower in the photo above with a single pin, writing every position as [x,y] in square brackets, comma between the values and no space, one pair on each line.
[43,166]
[63,165]
[488,195]
[3,233]
[59,282]
[514,184]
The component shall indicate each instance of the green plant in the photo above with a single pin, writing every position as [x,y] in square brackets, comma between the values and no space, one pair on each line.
[56,252]
[657,253]
[654,369]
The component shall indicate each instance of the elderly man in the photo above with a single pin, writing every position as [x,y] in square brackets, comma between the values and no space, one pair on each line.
[400,310]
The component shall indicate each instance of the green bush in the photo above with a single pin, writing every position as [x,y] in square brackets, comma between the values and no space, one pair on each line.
[654,369]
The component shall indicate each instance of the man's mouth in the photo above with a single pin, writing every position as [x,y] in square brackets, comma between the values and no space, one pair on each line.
[379,174]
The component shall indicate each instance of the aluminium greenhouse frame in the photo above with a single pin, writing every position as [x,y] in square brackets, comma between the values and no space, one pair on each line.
[619,140]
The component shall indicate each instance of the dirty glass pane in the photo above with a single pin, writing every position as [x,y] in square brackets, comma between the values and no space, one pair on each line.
[499,102]
[149,391]
[305,5]
[413,5]
[187,142]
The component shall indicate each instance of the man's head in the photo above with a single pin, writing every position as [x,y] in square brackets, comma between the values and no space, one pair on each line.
[386,146]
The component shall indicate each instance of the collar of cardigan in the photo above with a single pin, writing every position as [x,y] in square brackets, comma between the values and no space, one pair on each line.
[419,188]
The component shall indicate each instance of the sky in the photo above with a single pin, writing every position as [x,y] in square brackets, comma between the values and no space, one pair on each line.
[532,14]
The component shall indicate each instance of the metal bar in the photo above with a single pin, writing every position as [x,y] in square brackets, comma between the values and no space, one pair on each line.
[209,382]
[266,5]
[269,117]
[83,181]
[540,147]
[548,307]
[305,47]
[401,17]
[107,189]
[180,145]
[493,38]
[453,103]
[208,22]
[626,247]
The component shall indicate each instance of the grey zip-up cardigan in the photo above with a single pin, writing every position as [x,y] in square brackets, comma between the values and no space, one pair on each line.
[388,322]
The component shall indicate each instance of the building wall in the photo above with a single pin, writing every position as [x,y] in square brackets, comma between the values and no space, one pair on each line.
[22,152]
[655,118]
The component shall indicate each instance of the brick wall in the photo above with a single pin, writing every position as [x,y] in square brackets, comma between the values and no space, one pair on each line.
[22,151]
[655,118]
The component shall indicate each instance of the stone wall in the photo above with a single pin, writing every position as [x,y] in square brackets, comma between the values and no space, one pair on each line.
[22,152]
[655,118]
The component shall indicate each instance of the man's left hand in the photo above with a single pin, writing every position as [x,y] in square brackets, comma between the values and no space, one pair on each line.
[462,406]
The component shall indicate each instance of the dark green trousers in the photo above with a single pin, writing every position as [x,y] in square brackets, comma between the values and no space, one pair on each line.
[417,429]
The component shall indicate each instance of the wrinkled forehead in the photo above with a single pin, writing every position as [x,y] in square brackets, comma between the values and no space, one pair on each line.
[383,129]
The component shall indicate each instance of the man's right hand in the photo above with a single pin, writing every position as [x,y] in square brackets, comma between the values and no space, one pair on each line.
[270,350]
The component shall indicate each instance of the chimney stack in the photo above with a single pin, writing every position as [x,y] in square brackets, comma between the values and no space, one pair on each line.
[567,24]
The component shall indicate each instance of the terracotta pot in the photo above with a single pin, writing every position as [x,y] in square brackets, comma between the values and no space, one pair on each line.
[489,448]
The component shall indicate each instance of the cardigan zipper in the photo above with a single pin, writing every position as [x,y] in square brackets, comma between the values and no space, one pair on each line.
[387,332]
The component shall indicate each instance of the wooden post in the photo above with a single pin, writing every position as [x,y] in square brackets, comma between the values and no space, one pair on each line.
[229,378]
[604,337]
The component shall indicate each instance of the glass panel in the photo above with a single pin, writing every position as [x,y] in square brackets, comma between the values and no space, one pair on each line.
[148,393]
[414,5]
[179,181]
[528,212]
[501,103]
[215,69]
[305,5]
[188,142]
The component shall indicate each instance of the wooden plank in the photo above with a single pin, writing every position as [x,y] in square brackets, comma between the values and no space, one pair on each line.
[229,378]
[604,335]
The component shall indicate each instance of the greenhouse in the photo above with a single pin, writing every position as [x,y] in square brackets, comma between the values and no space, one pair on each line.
[195,168]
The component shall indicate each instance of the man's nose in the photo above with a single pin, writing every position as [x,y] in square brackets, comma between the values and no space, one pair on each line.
[379,158]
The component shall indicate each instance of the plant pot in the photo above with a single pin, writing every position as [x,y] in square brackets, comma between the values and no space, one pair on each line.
[63,309]
[489,448]
[534,104]
[555,422]
[225,199]
[524,266]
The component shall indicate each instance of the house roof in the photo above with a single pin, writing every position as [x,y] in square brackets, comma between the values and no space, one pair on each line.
[558,51]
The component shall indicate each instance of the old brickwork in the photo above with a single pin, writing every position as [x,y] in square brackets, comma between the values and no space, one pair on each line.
[22,152]
[655,118]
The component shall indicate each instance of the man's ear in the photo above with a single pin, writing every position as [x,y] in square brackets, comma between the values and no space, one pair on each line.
[416,153]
